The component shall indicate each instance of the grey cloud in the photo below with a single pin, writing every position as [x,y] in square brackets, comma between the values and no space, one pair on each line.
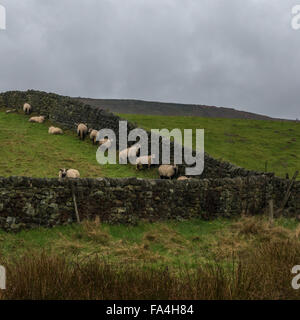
[241,54]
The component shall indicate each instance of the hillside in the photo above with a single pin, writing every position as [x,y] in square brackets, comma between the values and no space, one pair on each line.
[245,143]
[170,109]
[31,151]
[28,150]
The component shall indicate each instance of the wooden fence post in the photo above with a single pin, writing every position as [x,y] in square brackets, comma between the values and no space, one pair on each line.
[271,210]
[75,203]
[288,193]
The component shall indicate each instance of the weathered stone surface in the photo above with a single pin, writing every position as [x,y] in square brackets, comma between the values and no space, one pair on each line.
[28,202]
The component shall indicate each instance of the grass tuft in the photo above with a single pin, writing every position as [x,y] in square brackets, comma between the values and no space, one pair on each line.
[265,274]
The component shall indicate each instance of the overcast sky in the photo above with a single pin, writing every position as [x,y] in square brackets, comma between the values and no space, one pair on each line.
[233,53]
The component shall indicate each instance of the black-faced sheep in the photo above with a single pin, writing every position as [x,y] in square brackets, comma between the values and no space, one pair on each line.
[146,160]
[68,173]
[167,171]
[93,135]
[53,130]
[27,108]
[82,130]
[40,119]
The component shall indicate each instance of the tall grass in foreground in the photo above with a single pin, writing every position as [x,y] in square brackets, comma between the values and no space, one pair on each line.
[264,274]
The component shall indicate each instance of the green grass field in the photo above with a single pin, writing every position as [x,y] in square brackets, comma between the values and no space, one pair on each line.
[249,258]
[28,150]
[245,143]
[31,151]
[189,243]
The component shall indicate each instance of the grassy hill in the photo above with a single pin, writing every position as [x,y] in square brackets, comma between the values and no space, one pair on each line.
[28,150]
[245,143]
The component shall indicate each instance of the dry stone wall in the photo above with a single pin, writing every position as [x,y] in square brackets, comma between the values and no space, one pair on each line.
[27,202]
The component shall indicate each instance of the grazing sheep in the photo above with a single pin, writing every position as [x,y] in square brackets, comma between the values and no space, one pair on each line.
[134,151]
[11,111]
[93,135]
[102,141]
[53,130]
[106,143]
[27,108]
[167,171]
[129,152]
[68,173]
[183,178]
[123,155]
[82,130]
[40,119]
[146,160]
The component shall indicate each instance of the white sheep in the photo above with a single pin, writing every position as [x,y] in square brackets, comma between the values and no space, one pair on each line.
[11,111]
[27,108]
[68,173]
[82,130]
[107,143]
[40,119]
[129,152]
[145,160]
[53,130]
[93,135]
[182,178]
[167,171]
[123,155]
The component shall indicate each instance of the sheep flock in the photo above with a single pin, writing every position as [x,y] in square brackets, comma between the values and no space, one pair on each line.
[164,171]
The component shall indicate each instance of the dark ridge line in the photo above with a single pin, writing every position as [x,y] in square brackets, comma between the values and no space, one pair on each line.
[132,106]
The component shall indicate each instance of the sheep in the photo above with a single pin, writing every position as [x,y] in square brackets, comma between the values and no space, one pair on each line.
[40,119]
[167,171]
[134,151]
[68,173]
[53,130]
[146,160]
[27,108]
[182,178]
[102,141]
[93,135]
[11,111]
[82,130]
[129,152]
[106,143]
[123,155]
